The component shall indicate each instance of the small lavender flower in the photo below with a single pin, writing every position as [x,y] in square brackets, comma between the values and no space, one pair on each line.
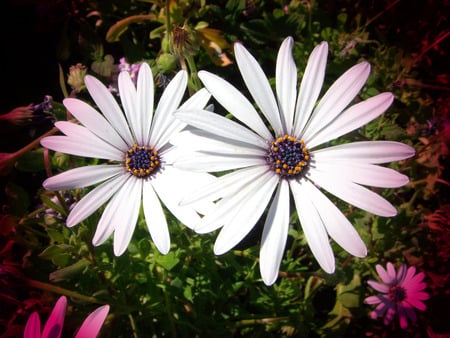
[400,292]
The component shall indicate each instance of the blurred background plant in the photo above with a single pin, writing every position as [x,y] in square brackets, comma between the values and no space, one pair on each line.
[190,292]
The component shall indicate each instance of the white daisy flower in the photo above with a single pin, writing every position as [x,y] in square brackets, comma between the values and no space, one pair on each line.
[270,162]
[138,158]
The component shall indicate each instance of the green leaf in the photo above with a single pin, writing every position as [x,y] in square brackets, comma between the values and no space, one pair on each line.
[168,261]
[121,26]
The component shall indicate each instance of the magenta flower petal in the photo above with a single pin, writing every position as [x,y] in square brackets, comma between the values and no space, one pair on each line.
[55,321]
[33,326]
[93,323]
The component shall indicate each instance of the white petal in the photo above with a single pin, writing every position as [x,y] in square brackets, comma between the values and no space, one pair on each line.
[145,98]
[168,104]
[246,214]
[258,86]
[173,184]
[226,185]
[235,103]
[312,226]
[363,173]
[353,118]
[94,200]
[155,219]
[353,193]
[129,100]
[337,97]
[89,146]
[221,126]
[366,151]
[338,226]
[286,84]
[310,86]
[197,101]
[110,217]
[127,214]
[85,137]
[200,162]
[228,207]
[109,107]
[81,177]
[275,234]
[95,122]
[200,140]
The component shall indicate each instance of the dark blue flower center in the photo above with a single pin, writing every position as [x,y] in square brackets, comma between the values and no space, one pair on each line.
[288,156]
[142,161]
[397,293]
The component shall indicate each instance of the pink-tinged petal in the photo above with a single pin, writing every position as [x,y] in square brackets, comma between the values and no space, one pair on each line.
[94,200]
[337,225]
[310,87]
[409,311]
[55,321]
[337,97]
[417,294]
[258,86]
[380,287]
[95,122]
[164,119]
[374,152]
[145,100]
[410,275]
[234,102]
[363,173]
[402,317]
[401,273]
[125,217]
[109,218]
[384,306]
[286,84]
[221,126]
[81,177]
[93,323]
[390,314]
[81,142]
[155,219]
[33,326]
[109,107]
[275,234]
[383,274]
[373,300]
[313,226]
[128,96]
[354,117]
[353,193]
[391,271]
[416,302]
[246,214]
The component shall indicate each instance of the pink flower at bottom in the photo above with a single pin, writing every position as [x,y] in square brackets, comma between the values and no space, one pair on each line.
[53,327]
[400,292]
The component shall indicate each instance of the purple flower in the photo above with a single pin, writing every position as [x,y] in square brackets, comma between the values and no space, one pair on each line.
[53,327]
[400,292]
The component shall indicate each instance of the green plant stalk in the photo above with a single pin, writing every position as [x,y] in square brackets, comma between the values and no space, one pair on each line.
[57,289]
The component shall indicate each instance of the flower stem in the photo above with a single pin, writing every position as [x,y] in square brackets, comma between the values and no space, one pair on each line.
[57,289]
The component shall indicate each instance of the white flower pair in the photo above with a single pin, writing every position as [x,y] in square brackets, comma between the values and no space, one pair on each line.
[155,156]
